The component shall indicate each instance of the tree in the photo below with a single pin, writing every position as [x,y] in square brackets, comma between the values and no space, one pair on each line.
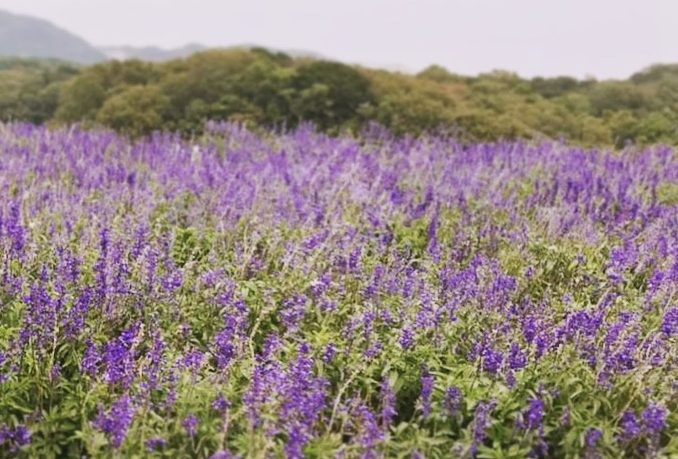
[612,96]
[84,95]
[29,88]
[330,93]
[272,89]
[623,125]
[440,74]
[206,77]
[136,111]
[554,87]
[658,127]
[81,98]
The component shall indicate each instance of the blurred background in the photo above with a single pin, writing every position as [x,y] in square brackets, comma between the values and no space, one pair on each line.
[594,73]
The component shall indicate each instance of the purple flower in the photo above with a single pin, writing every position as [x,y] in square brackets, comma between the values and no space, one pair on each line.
[354,260]
[327,305]
[530,328]
[481,421]
[630,425]
[369,434]
[330,352]
[222,455]
[374,350]
[296,395]
[221,404]
[296,439]
[272,344]
[619,259]
[517,358]
[388,403]
[407,338]
[190,425]
[593,435]
[16,438]
[427,383]
[155,443]
[492,360]
[173,281]
[320,286]
[193,360]
[534,416]
[186,330]
[542,344]
[453,400]
[224,343]
[117,422]
[293,311]
[91,359]
[100,267]
[566,417]
[156,361]
[264,376]
[120,355]
[15,229]
[654,419]
[303,399]
[21,436]
[670,322]
[75,319]
[40,318]
[55,373]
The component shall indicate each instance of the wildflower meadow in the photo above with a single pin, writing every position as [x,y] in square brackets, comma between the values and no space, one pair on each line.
[261,295]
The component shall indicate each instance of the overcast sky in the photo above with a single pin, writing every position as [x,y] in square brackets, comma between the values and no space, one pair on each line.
[602,38]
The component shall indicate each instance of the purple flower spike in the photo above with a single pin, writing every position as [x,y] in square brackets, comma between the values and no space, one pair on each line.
[190,425]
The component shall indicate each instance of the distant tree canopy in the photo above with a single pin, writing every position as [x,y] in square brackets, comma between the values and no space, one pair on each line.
[29,89]
[329,93]
[270,89]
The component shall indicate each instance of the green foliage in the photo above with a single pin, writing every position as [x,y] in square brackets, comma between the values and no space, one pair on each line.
[668,194]
[269,89]
[554,87]
[329,93]
[658,127]
[136,110]
[29,89]
[412,105]
[188,246]
[83,96]
[440,75]
[614,96]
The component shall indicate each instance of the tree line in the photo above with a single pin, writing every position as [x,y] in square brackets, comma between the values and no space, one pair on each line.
[271,89]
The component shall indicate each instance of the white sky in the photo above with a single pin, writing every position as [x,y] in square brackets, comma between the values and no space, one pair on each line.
[602,38]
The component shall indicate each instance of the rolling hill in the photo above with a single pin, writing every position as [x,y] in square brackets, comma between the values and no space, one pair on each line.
[26,36]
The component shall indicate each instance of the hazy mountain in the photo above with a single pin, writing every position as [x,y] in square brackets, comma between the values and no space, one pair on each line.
[30,37]
[26,36]
[149,53]
[157,54]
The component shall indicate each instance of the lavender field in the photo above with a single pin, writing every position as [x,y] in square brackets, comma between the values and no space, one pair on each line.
[297,295]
